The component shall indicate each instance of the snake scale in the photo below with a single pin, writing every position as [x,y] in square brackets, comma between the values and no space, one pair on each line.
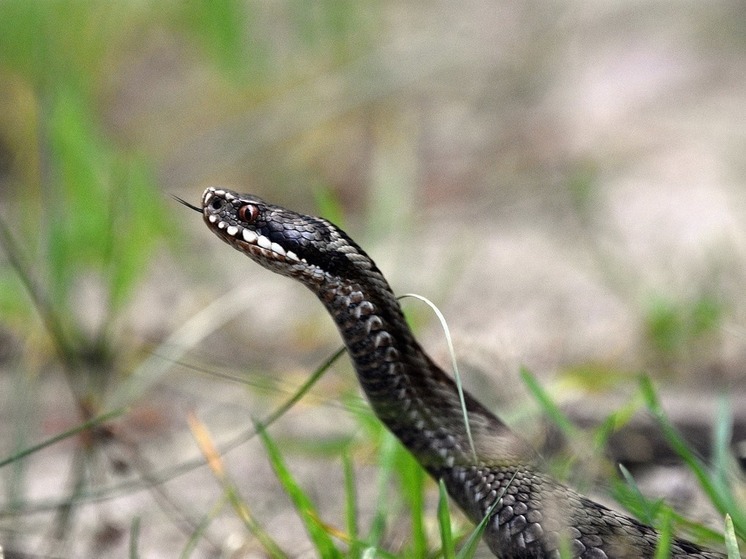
[534,516]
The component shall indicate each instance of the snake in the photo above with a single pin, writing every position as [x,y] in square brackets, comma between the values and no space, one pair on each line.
[488,470]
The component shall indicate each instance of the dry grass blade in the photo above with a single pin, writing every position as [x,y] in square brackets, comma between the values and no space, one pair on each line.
[454,364]
[62,436]
[214,461]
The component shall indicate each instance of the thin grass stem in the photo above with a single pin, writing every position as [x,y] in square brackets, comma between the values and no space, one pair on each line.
[454,364]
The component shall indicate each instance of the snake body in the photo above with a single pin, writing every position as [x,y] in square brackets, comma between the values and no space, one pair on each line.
[534,516]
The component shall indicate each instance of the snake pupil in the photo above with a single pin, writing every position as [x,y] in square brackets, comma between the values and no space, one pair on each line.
[248,213]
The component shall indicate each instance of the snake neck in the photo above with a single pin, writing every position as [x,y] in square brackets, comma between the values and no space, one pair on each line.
[416,400]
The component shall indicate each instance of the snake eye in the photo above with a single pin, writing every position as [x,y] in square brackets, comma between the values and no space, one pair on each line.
[248,213]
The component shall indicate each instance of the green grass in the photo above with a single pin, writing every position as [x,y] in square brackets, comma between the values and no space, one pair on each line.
[718,480]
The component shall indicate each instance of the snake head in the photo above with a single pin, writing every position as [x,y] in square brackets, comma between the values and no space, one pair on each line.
[305,247]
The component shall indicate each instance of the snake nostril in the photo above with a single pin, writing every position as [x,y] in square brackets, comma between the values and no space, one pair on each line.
[216,204]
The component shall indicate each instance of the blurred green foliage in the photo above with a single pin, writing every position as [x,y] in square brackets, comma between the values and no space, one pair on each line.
[676,328]
[88,212]
[89,207]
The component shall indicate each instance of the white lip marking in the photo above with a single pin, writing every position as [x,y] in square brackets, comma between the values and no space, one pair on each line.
[222,225]
[278,249]
[292,256]
[232,230]
[213,218]
[249,236]
[264,242]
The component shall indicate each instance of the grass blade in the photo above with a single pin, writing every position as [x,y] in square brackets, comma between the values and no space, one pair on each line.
[444,523]
[454,364]
[134,538]
[547,404]
[303,505]
[470,547]
[643,508]
[201,528]
[731,543]
[215,462]
[665,530]
[717,490]
[386,466]
[41,300]
[615,421]
[412,483]
[64,435]
[351,520]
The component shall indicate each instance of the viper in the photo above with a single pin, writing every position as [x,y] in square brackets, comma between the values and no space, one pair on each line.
[487,469]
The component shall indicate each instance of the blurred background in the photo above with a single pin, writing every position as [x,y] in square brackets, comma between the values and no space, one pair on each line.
[565,180]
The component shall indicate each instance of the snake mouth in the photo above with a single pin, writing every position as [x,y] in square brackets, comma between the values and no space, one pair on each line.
[221,209]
